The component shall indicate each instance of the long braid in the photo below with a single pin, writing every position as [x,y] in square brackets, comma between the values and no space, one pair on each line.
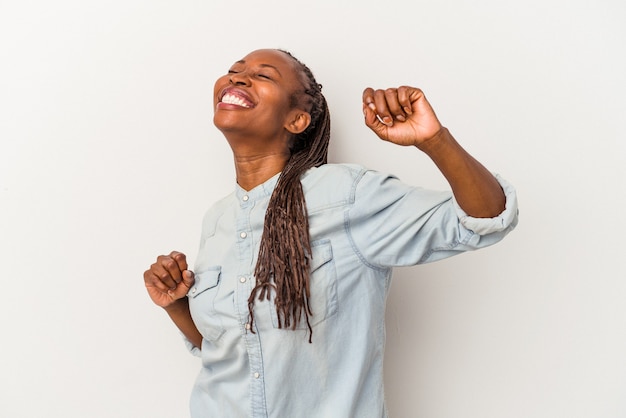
[285,250]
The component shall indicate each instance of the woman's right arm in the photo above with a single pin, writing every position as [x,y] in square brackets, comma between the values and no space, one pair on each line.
[167,281]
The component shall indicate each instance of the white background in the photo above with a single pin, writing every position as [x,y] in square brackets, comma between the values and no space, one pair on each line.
[108,157]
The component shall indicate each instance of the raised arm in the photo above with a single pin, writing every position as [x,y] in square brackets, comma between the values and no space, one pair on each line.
[403,116]
[167,281]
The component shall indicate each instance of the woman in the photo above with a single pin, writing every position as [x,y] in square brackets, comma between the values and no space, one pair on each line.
[286,305]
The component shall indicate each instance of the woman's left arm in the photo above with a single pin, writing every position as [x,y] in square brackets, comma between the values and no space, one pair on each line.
[403,116]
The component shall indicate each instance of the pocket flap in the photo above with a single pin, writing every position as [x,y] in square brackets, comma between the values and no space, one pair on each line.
[322,253]
[205,280]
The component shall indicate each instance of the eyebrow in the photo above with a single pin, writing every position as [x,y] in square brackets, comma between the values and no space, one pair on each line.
[262,65]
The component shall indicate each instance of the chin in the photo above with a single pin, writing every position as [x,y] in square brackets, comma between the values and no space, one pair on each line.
[226,124]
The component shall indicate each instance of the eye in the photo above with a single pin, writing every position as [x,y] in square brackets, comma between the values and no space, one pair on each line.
[264,76]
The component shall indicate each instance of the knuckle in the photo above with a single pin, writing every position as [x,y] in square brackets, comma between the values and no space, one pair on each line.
[180,257]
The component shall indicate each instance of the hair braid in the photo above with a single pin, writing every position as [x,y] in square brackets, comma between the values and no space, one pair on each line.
[283,263]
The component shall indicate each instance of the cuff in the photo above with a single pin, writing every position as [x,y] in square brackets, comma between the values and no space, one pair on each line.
[192,348]
[506,219]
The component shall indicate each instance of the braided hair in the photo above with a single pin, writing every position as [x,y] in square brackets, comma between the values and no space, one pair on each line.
[283,263]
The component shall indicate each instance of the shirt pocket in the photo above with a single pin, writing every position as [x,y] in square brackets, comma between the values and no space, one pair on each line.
[323,285]
[202,303]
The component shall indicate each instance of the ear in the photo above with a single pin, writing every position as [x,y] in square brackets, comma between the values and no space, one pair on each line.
[298,121]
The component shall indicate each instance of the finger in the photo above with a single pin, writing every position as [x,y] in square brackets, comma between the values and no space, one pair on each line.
[183,288]
[175,264]
[382,108]
[404,99]
[181,260]
[393,103]
[167,270]
[151,279]
[368,98]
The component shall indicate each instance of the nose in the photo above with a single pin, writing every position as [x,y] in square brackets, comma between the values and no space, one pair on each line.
[239,79]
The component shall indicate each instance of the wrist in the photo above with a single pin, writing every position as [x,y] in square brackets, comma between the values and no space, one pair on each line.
[437,142]
[179,305]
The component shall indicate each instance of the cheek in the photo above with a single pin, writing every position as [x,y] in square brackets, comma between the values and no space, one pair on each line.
[279,102]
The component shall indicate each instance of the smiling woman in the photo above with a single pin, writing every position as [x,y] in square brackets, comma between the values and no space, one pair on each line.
[287,99]
[286,302]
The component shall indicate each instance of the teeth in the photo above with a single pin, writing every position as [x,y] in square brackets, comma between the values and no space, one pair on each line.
[232,99]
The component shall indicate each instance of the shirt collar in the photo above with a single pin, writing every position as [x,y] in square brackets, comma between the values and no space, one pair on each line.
[260,191]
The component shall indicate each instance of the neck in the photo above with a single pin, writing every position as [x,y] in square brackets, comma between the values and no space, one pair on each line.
[257,158]
[252,170]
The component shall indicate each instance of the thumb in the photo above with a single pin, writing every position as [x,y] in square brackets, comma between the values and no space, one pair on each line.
[373,122]
[188,278]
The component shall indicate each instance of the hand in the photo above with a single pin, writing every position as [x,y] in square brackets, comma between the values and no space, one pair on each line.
[400,115]
[168,279]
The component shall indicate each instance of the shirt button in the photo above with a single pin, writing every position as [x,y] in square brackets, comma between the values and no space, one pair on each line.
[242,279]
[247,326]
[243,235]
[257,375]
[245,198]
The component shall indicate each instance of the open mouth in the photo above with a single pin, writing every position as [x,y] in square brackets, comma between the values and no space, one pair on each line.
[234,98]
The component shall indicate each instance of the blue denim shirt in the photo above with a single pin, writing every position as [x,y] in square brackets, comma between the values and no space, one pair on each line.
[362,223]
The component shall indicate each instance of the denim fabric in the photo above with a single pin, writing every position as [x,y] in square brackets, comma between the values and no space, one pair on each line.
[362,224]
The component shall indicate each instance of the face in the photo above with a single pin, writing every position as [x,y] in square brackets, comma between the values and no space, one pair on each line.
[254,97]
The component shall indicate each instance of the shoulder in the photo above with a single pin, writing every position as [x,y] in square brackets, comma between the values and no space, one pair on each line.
[337,176]
[344,175]
[340,175]
[336,184]
[335,171]
[330,185]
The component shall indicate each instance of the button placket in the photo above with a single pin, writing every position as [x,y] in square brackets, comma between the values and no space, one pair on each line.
[244,282]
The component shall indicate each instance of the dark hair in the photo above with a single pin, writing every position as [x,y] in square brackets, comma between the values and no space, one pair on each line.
[285,251]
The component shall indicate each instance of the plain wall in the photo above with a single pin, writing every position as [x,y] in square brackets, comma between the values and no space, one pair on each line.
[108,157]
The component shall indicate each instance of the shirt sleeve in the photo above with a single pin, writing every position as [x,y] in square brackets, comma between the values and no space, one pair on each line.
[485,226]
[192,348]
[392,224]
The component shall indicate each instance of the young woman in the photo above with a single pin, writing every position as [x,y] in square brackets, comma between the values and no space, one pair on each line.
[285,305]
